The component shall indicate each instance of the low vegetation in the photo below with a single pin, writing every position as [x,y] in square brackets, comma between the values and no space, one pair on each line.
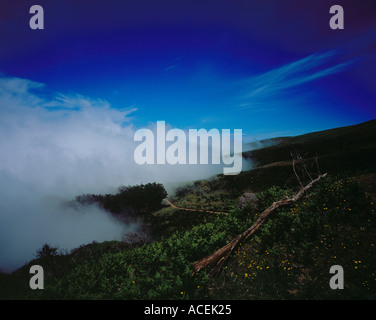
[289,258]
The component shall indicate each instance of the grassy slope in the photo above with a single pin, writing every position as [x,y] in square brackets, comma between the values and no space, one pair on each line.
[346,151]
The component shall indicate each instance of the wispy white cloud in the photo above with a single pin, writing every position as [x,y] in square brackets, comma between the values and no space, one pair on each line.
[278,83]
[170,67]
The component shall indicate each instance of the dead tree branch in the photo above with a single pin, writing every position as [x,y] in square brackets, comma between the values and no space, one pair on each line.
[220,256]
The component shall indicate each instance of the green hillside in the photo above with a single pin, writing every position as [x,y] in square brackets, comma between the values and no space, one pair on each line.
[288,258]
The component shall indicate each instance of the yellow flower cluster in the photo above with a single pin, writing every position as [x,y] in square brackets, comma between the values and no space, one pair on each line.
[326,242]
[286,265]
[256,266]
[294,210]
[335,187]
[357,262]
[365,284]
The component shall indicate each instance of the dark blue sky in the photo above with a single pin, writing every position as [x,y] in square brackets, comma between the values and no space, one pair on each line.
[271,68]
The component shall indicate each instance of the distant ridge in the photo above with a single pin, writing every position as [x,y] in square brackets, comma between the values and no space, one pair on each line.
[345,148]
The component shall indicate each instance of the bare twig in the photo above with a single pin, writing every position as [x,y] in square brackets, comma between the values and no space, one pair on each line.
[293,167]
[317,164]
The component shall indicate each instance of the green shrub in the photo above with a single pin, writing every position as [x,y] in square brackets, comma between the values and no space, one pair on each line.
[289,257]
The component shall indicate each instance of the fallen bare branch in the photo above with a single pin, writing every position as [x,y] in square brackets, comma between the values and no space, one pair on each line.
[220,256]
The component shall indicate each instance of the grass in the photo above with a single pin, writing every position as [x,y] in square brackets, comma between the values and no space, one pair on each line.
[288,258]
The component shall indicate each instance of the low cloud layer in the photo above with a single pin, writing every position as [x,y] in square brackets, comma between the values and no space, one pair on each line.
[55,148]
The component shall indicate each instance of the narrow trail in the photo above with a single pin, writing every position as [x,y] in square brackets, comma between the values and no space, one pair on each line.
[192,210]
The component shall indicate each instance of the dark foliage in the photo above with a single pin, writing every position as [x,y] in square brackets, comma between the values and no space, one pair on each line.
[140,198]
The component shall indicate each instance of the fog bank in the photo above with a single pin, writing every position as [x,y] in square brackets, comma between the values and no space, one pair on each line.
[55,148]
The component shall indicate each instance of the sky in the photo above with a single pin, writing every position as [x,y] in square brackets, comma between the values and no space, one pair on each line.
[270,68]
[73,95]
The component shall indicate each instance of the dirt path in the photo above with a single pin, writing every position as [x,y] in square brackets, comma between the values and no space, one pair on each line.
[192,210]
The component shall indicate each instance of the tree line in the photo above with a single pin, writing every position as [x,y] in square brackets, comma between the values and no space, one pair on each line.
[140,198]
